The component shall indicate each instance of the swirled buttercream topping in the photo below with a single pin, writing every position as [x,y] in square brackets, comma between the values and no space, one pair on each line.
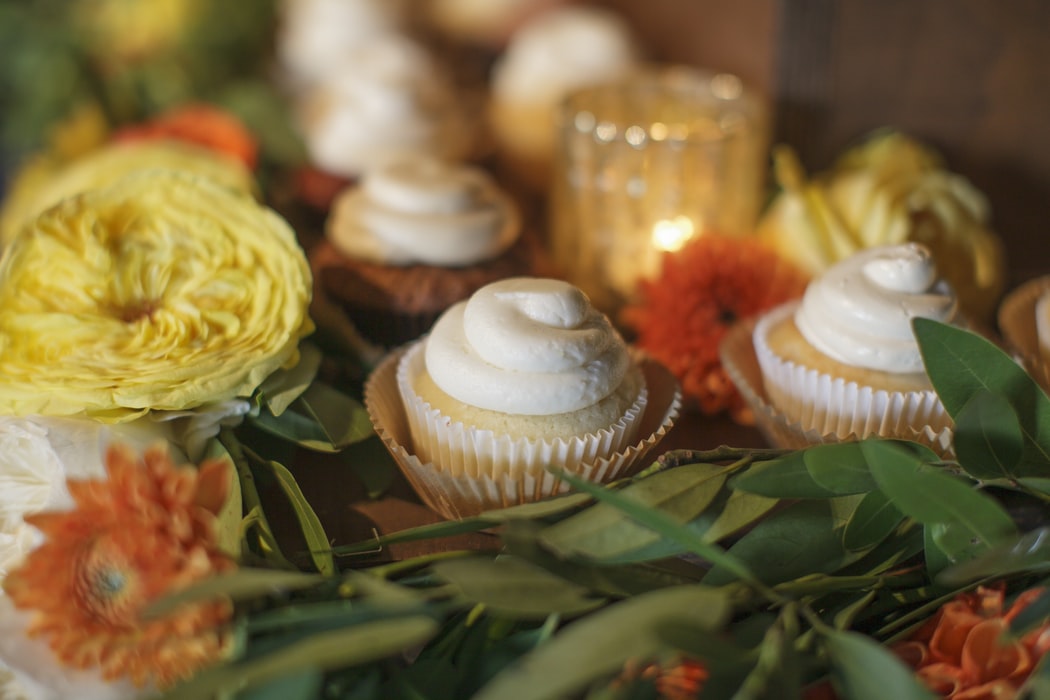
[386,99]
[859,312]
[564,49]
[422,210]
[526,346]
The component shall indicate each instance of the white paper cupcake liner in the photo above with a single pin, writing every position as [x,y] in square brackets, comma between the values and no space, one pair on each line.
[796,407]
[501,472]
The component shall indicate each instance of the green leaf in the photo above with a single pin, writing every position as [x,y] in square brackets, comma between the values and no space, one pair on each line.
[988,438]
[862,669]
[537,510]
[231,514]
[937,560]
[515,588]
[239,585]
[284,386]
[874,520]
[1028,553]
[793,542]
[303,685]
[961,363]
[357,644]
[740,510]
[313,532]
[787,477]
[1033,483]
[1032,615]
[604,531]
[840,468]
[932,496]
[662,524]
[599,644]
[321,419]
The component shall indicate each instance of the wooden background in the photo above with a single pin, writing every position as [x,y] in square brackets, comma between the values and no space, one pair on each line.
[969,77]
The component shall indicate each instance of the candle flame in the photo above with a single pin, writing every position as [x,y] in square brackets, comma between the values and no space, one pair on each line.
[671,234]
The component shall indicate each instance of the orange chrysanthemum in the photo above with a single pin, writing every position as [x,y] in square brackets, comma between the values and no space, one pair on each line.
[143,533]
[200,124]
[964,653]
[703,289]
[680,679]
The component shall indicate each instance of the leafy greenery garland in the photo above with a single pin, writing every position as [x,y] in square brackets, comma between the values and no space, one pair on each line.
[779,569]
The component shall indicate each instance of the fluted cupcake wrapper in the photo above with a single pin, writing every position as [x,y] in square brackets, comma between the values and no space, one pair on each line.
[500,473]
[1017,323]
[796,406]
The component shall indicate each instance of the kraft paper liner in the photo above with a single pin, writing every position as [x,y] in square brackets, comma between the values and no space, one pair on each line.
[455,495]
[1017,325]
[886,414]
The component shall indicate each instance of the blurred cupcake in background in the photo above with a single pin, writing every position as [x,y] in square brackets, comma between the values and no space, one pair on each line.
[1024,322]
[556,52]
[387,98]
[414,236]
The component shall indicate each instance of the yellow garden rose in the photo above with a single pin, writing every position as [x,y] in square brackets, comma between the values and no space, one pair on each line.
[889,190]
[44,182]
[162,291]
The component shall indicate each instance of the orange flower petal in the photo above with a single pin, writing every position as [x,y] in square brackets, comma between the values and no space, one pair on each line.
[985,657]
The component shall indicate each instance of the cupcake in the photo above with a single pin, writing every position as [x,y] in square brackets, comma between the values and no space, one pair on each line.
[555,53]
[386,98]
[412,238]
[1024,321]
[524,374]
[843,362]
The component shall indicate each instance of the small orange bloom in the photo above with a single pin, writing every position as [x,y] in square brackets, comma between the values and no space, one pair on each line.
[143,533]
[962,652]
[681,679]
[202,125]
[700,292]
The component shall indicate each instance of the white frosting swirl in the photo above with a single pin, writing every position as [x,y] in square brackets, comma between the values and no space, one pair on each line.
[386,100]
[526,346]
[314,35]
[859,312]
[422,210]
[563,49]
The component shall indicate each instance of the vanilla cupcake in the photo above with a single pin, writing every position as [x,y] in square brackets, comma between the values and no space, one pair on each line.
[1024,321]
[843,362]
[409,240]
[555,53]
[523,375]
[385,99]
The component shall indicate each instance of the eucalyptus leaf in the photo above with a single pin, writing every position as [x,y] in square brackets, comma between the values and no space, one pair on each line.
[556,505]
[284,386]
[874,520]
[839,467]
[786,477]
[792,542]
[515,588]
[604,531]
[937,560]
[961,363]
[303,685]
[321,419]
[932,496]
[1029,552]
[313,531]
[862,669]
[230,516]
[599,644]
[357,644]
[241,584]
[1037,484]
[988,438]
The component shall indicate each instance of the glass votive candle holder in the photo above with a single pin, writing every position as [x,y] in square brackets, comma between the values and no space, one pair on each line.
[647,164]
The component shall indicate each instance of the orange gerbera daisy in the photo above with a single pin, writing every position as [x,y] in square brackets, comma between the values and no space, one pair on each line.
[200,124]
[684,313]
[964,653]
[145,532]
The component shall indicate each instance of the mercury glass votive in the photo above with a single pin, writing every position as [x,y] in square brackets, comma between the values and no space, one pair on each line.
[645,165]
